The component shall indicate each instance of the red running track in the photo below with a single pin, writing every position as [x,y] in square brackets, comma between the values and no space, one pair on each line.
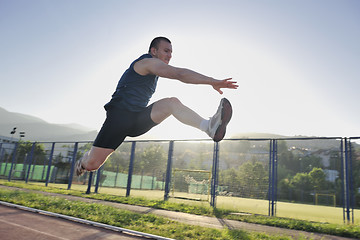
[17,224]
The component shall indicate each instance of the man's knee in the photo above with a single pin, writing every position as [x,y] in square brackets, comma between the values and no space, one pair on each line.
[164,108]
[167,105]
[174,102]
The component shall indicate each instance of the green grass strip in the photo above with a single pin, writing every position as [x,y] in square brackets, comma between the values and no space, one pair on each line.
[352,231]
[148,223]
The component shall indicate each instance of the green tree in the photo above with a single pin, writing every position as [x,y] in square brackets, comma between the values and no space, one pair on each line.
[284,189]
[229,179]
[317,177]
[286,157]
[355,155]
[117,162]
[301,187]
[301,181]
[24,150]
[253,179]
[151,159]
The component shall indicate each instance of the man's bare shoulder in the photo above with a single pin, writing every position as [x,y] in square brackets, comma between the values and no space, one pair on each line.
[147,66]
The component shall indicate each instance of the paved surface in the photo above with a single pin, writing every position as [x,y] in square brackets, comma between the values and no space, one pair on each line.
[16,224]
[204,221]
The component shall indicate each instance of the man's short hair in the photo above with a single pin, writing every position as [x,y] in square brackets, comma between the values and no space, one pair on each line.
[156,41]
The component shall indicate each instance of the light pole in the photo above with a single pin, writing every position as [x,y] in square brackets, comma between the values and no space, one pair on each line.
[12,133]
[22,134]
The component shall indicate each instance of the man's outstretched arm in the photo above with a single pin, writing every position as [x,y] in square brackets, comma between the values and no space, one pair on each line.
[157,67]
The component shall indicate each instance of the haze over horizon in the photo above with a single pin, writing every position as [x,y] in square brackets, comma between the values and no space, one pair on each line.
[296,62]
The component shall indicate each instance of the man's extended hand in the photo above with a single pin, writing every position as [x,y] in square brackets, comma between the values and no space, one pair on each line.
[226,83]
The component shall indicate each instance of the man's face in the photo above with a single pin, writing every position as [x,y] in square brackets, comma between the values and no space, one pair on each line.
[163,52]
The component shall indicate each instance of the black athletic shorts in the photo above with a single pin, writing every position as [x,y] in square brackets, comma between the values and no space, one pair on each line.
[121,123]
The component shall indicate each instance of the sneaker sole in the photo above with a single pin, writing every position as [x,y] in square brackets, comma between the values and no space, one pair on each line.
[79,170]
[226,114]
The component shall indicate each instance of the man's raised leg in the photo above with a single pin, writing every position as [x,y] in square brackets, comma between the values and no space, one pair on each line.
[215,127]
[163,108]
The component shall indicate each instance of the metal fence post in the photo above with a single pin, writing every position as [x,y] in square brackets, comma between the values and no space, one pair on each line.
[49,164]
[347,190]
[272,177]
[270,166]
[168,171]
[88,191]
[275,177]
[214,177]
[30,160]
[13,161]
[98,176]
[347,180]
[352,192]
[72,165]
[131,168]
[1,155]
[1,151]
[342,175]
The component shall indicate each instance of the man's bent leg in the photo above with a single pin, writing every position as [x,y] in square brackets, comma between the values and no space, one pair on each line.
[92,160]
[163,108]
[215,127]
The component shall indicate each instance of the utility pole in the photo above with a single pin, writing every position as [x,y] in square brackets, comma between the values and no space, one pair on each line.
[22,134]
[12,133]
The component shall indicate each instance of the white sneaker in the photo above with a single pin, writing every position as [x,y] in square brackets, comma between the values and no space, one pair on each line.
[218,122]
[79,169]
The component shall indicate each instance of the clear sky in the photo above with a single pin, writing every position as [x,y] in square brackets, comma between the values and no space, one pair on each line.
[297,62]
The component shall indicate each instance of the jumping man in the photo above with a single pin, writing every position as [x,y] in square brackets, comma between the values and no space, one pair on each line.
[128,113]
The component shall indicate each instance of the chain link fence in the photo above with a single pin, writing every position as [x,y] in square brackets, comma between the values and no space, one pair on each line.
[258,176]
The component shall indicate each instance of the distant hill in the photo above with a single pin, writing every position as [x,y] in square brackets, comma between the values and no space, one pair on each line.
[257,135]
[308,142]
[37,129]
